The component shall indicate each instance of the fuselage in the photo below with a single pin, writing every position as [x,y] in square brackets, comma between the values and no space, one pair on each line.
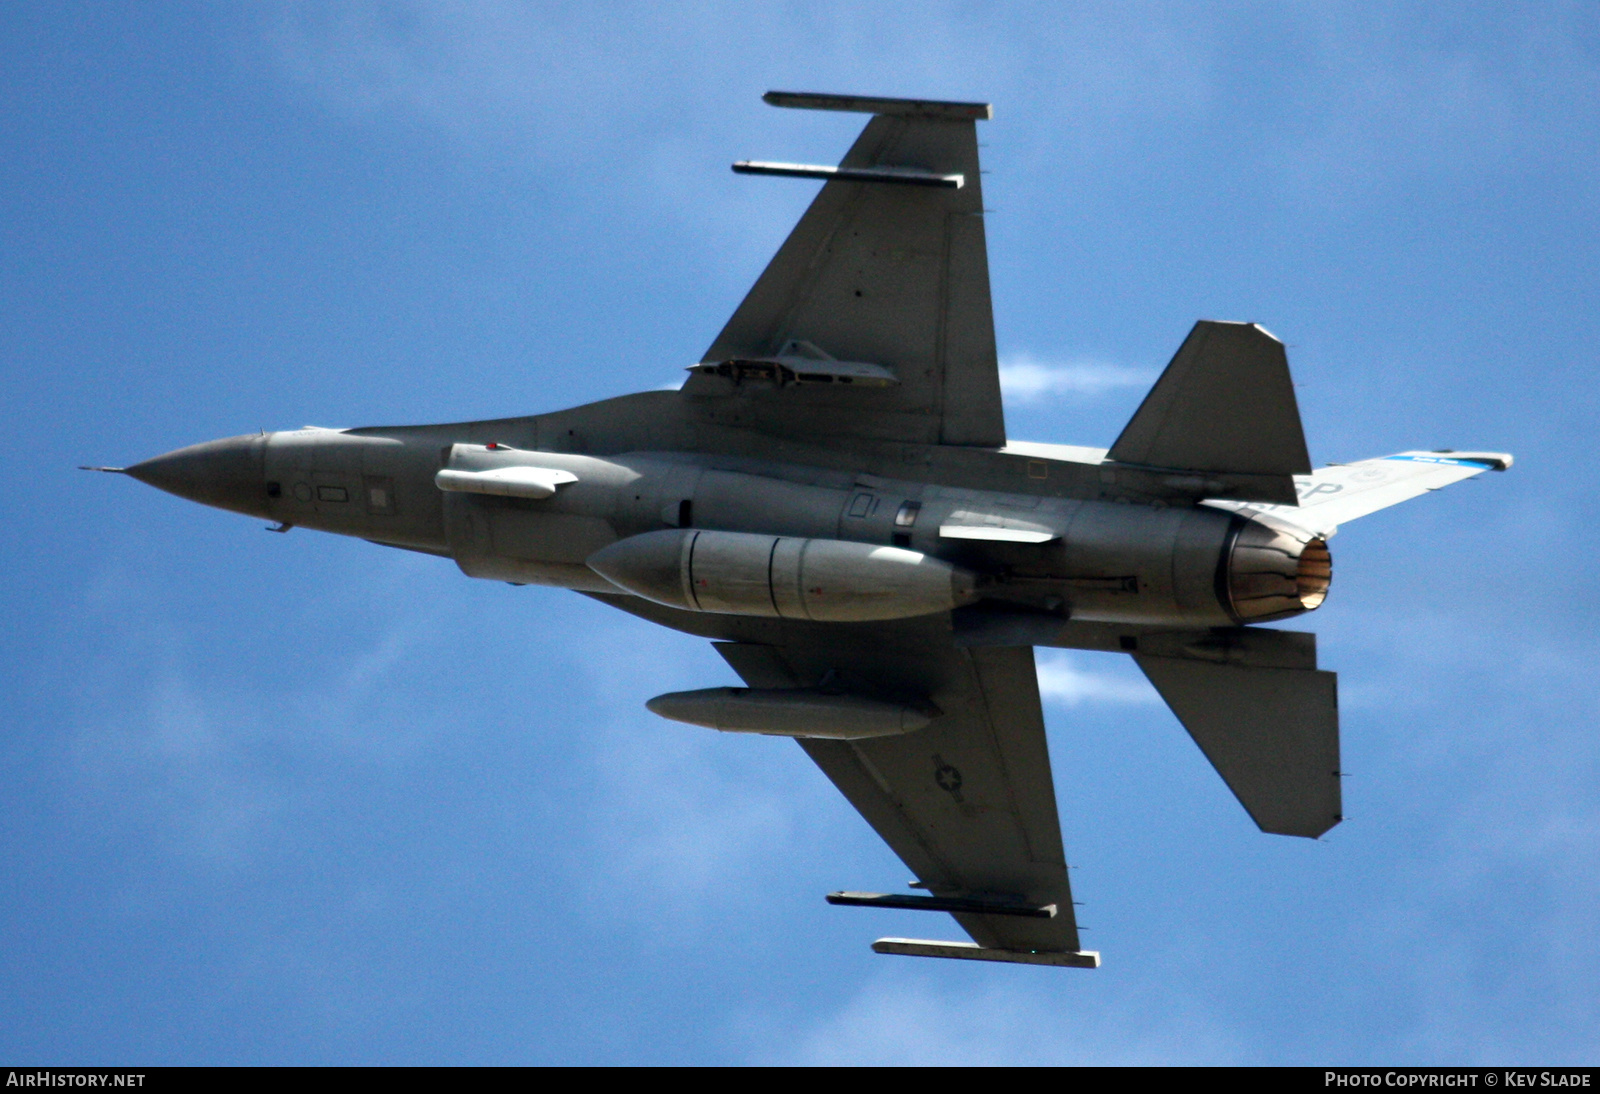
[1050,530]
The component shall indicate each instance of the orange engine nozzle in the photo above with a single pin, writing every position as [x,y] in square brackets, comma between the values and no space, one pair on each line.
[1275,571]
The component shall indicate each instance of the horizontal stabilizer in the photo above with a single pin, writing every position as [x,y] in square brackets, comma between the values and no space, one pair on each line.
[1224,404]
[970,951]
[1271,733]
[1333,495]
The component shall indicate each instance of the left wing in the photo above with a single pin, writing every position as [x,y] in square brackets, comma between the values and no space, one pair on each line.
[873,319]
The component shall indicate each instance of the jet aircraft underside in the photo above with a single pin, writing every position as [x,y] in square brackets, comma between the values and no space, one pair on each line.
[832,499]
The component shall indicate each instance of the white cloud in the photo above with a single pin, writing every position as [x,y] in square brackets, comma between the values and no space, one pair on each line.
[213,765]
[657,101]
[682,812]
[520,70]
[1396,108]
[1062,681]
[1025,379]
[904,1018]
[690,814]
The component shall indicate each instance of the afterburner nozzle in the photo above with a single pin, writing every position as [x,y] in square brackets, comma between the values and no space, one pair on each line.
[1276,571]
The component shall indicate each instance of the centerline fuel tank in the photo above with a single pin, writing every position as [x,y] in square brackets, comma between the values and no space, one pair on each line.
[739,573]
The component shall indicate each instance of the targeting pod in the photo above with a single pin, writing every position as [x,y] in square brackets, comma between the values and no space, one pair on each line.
[534,483]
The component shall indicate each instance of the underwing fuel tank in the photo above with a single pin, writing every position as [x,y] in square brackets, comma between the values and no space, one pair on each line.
[738,573]
[793,712]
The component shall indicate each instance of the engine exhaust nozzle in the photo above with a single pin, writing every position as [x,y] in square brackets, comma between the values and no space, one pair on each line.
[1275,571]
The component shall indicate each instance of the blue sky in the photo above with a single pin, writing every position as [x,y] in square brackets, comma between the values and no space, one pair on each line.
[301,799]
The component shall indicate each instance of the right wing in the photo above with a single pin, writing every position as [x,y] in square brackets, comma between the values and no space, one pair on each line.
[967,802]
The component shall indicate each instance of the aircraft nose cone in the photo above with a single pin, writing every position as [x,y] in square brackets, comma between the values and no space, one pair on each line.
[227,474]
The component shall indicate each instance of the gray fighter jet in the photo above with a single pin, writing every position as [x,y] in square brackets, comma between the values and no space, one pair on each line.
[832,499]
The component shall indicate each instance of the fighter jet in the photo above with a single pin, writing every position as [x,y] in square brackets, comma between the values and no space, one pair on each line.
[832,499]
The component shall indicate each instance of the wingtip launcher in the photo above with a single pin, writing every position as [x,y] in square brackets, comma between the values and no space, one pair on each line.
[873,104]
[904,176]
[971,951]
[954,905]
